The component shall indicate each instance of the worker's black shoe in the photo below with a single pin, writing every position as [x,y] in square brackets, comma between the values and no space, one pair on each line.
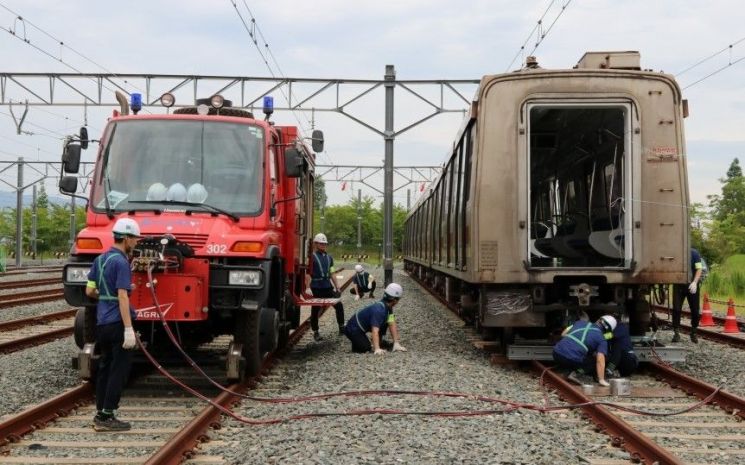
[317,336]
[372,296]
[341,330]
[694,338]
[110,423]
[676,337]
[386,345]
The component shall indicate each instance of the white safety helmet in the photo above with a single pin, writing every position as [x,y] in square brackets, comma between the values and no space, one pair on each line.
[320,238]
[176,192]
[359,268]
[394,291]
[156,192]
[126,227]
[608,323]
[196,193]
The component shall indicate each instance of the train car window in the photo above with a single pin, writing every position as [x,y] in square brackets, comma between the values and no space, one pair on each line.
[470,137]
[577,154]
[444,204]
[457,217]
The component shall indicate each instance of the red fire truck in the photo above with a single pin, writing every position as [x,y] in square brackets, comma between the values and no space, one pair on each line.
[224,202]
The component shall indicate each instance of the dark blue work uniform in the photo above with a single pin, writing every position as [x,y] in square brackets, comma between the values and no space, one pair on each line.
[322,265]
[681,293]
[577,349]
[377,315]
[362,284]
[622,356]
[109,273]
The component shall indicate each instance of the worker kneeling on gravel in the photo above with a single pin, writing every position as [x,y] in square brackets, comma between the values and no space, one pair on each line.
[376,319]
[363,283]
[583,347]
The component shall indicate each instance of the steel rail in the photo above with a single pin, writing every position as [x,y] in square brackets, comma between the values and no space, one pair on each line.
[722,338]
[641,447]
[36,320]
[24,298]
[180,447]
[34,340]
[729,402]
[38,416]
[29,283]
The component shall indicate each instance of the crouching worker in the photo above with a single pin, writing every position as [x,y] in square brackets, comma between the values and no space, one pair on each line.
[363,283]
[583,348]
[375,319]
[622,360]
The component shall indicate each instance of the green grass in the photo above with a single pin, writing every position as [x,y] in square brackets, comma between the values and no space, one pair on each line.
[725,281]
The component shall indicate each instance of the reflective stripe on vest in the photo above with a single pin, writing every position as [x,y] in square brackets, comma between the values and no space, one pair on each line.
[358,277]
[581,342]
[323,271]
[357,317]
[105,295]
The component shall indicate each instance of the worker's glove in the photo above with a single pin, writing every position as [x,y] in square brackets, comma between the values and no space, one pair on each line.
[692,287]
[129,338]
[398,347]
[357,297]
[603,382]
[308,291]
[379,352]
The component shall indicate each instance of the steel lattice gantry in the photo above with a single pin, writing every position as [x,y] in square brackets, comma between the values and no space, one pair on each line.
[437,96]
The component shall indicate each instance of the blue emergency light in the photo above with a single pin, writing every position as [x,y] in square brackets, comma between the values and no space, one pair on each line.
[268,105]
[135,102]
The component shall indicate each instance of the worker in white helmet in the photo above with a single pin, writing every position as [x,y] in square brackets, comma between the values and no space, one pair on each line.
[322,283]
[110,282]
[376,319]
[583,348]
[362,282]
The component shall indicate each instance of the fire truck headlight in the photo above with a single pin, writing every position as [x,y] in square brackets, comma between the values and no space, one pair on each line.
[217,101]
[77,274]
[244,278]
[167,100]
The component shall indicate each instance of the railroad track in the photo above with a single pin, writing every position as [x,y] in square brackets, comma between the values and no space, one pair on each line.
[711,333]
[30,283]
[667,441]
[17,271]
[24,298]
[711,434]
[28,332]
[166,427]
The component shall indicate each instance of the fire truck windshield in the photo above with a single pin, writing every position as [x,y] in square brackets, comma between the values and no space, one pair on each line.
[157,164]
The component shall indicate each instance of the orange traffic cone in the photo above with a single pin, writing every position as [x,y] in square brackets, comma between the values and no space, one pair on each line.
[706,316]
[730,323]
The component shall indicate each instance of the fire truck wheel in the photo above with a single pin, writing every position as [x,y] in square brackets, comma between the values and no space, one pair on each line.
[246,333]
[85,326]
[268,331]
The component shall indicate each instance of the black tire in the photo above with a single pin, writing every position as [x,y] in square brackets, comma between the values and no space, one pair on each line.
[268,331]
[246,332]
[85,326]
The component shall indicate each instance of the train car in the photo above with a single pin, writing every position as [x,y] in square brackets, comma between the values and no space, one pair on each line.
[565,192]
[224,202]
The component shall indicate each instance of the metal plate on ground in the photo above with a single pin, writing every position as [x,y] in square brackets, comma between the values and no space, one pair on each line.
[644,354]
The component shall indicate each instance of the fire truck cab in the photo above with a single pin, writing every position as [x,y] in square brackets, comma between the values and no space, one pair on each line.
[224,204]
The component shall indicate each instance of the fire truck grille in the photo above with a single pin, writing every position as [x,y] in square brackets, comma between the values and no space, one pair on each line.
[196,241]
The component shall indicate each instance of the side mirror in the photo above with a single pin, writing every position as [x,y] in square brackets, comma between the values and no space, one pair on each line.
[317,140]
[71,158]
[68,184]
[84,138]
[293,163]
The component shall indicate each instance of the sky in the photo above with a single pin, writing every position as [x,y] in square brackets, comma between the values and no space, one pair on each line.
[430,39]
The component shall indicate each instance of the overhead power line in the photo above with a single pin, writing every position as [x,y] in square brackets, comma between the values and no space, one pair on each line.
[538,32]
[702,61]
[714,72]
[255,34]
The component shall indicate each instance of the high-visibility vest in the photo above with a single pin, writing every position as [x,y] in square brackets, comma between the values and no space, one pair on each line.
[583,331]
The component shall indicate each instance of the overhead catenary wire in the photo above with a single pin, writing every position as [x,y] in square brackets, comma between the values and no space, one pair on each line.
[704,60]
[717,71]
[255,33]
[541,34]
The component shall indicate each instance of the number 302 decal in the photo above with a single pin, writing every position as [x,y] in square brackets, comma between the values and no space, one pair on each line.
[217,248]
